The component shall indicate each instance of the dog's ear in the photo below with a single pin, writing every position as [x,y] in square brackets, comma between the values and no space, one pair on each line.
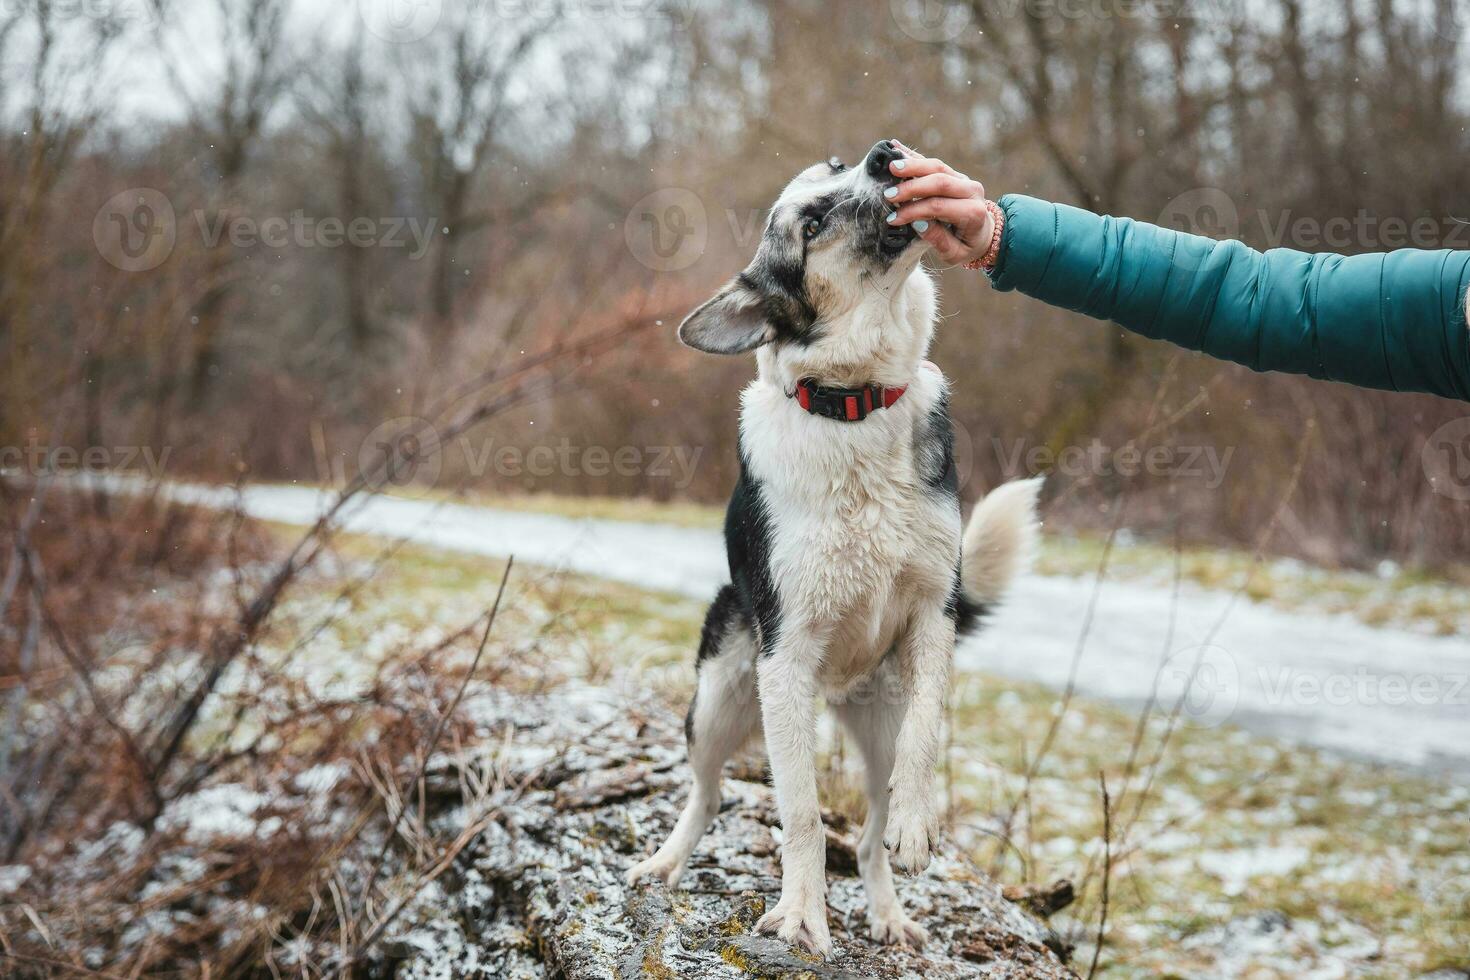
[732,322]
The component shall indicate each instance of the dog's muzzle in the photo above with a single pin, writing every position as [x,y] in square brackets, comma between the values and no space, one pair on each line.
[895,238]
[891,239]
[879,157]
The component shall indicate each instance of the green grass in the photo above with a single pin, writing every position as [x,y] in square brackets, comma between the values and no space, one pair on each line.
[1375,865]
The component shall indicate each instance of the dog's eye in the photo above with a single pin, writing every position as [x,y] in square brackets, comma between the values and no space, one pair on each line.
[810,228]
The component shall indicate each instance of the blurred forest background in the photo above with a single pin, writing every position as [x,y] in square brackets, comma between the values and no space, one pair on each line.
[442,247]
[467,186]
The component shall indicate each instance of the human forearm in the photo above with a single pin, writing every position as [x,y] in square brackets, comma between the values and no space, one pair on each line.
[1393,321]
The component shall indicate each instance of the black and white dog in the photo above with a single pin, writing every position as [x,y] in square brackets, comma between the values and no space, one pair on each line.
[850,574]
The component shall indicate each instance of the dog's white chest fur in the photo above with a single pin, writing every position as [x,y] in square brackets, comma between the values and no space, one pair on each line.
[853,538]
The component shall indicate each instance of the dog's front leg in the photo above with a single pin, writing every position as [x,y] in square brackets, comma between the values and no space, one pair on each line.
[926,658]
[787,683]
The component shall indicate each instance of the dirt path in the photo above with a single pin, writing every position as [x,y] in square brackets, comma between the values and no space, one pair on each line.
[1390,695]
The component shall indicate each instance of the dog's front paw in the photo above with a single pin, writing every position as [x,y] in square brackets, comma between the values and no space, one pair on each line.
[896,929]
[799,920]
[659,866]
[912,833]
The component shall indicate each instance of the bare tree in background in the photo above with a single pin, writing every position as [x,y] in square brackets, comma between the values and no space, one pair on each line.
[532,142]
[228,108]
[339,106]
[56,77]
[460,101]
[1100,95]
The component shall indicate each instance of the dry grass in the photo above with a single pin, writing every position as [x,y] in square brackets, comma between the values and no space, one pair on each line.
[125,855]
[303,812]
[286,790]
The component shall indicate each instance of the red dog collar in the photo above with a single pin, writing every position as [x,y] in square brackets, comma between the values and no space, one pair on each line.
[844,404]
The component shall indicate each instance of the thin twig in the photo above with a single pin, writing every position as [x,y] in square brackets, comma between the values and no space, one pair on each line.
[428,754]
[1102,919]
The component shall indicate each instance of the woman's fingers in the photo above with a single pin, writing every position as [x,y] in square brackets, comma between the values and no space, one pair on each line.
[934,185]
[914,159]
[914,167]
[919,167]
[966,212]
[946,245]
[932,192]
[907,151]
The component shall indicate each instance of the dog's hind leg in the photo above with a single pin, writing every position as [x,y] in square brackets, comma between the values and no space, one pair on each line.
[873,720]
[722,717]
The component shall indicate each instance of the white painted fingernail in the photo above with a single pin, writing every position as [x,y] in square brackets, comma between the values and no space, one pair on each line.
[890,192]
[900,164]
[892,217]
[921,226]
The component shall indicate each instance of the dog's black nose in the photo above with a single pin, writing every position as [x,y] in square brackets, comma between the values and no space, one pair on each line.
[879,157]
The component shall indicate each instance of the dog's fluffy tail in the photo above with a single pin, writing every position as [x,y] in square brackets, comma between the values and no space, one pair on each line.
[999,543]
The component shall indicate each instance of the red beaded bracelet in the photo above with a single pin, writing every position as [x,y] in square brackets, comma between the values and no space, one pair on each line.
[987,260]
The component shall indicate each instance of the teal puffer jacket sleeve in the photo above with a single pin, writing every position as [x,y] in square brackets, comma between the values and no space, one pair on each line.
[1394,320]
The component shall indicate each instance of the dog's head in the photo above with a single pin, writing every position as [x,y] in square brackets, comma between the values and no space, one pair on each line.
[827,276]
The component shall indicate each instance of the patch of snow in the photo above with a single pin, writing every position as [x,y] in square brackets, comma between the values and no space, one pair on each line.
[1235,869]
[122,839]
[320,779]
[217,811]
[12,876]
[1170,842]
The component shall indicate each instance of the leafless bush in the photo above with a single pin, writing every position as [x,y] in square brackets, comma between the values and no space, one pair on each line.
[521,148]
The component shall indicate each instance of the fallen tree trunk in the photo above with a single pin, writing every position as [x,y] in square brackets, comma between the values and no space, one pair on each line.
[593,787]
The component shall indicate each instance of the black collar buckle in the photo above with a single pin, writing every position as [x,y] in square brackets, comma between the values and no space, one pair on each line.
[839,404]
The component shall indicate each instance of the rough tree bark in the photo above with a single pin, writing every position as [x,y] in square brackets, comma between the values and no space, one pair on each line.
[594,784]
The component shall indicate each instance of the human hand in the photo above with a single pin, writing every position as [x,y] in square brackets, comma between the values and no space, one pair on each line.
[948,209]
